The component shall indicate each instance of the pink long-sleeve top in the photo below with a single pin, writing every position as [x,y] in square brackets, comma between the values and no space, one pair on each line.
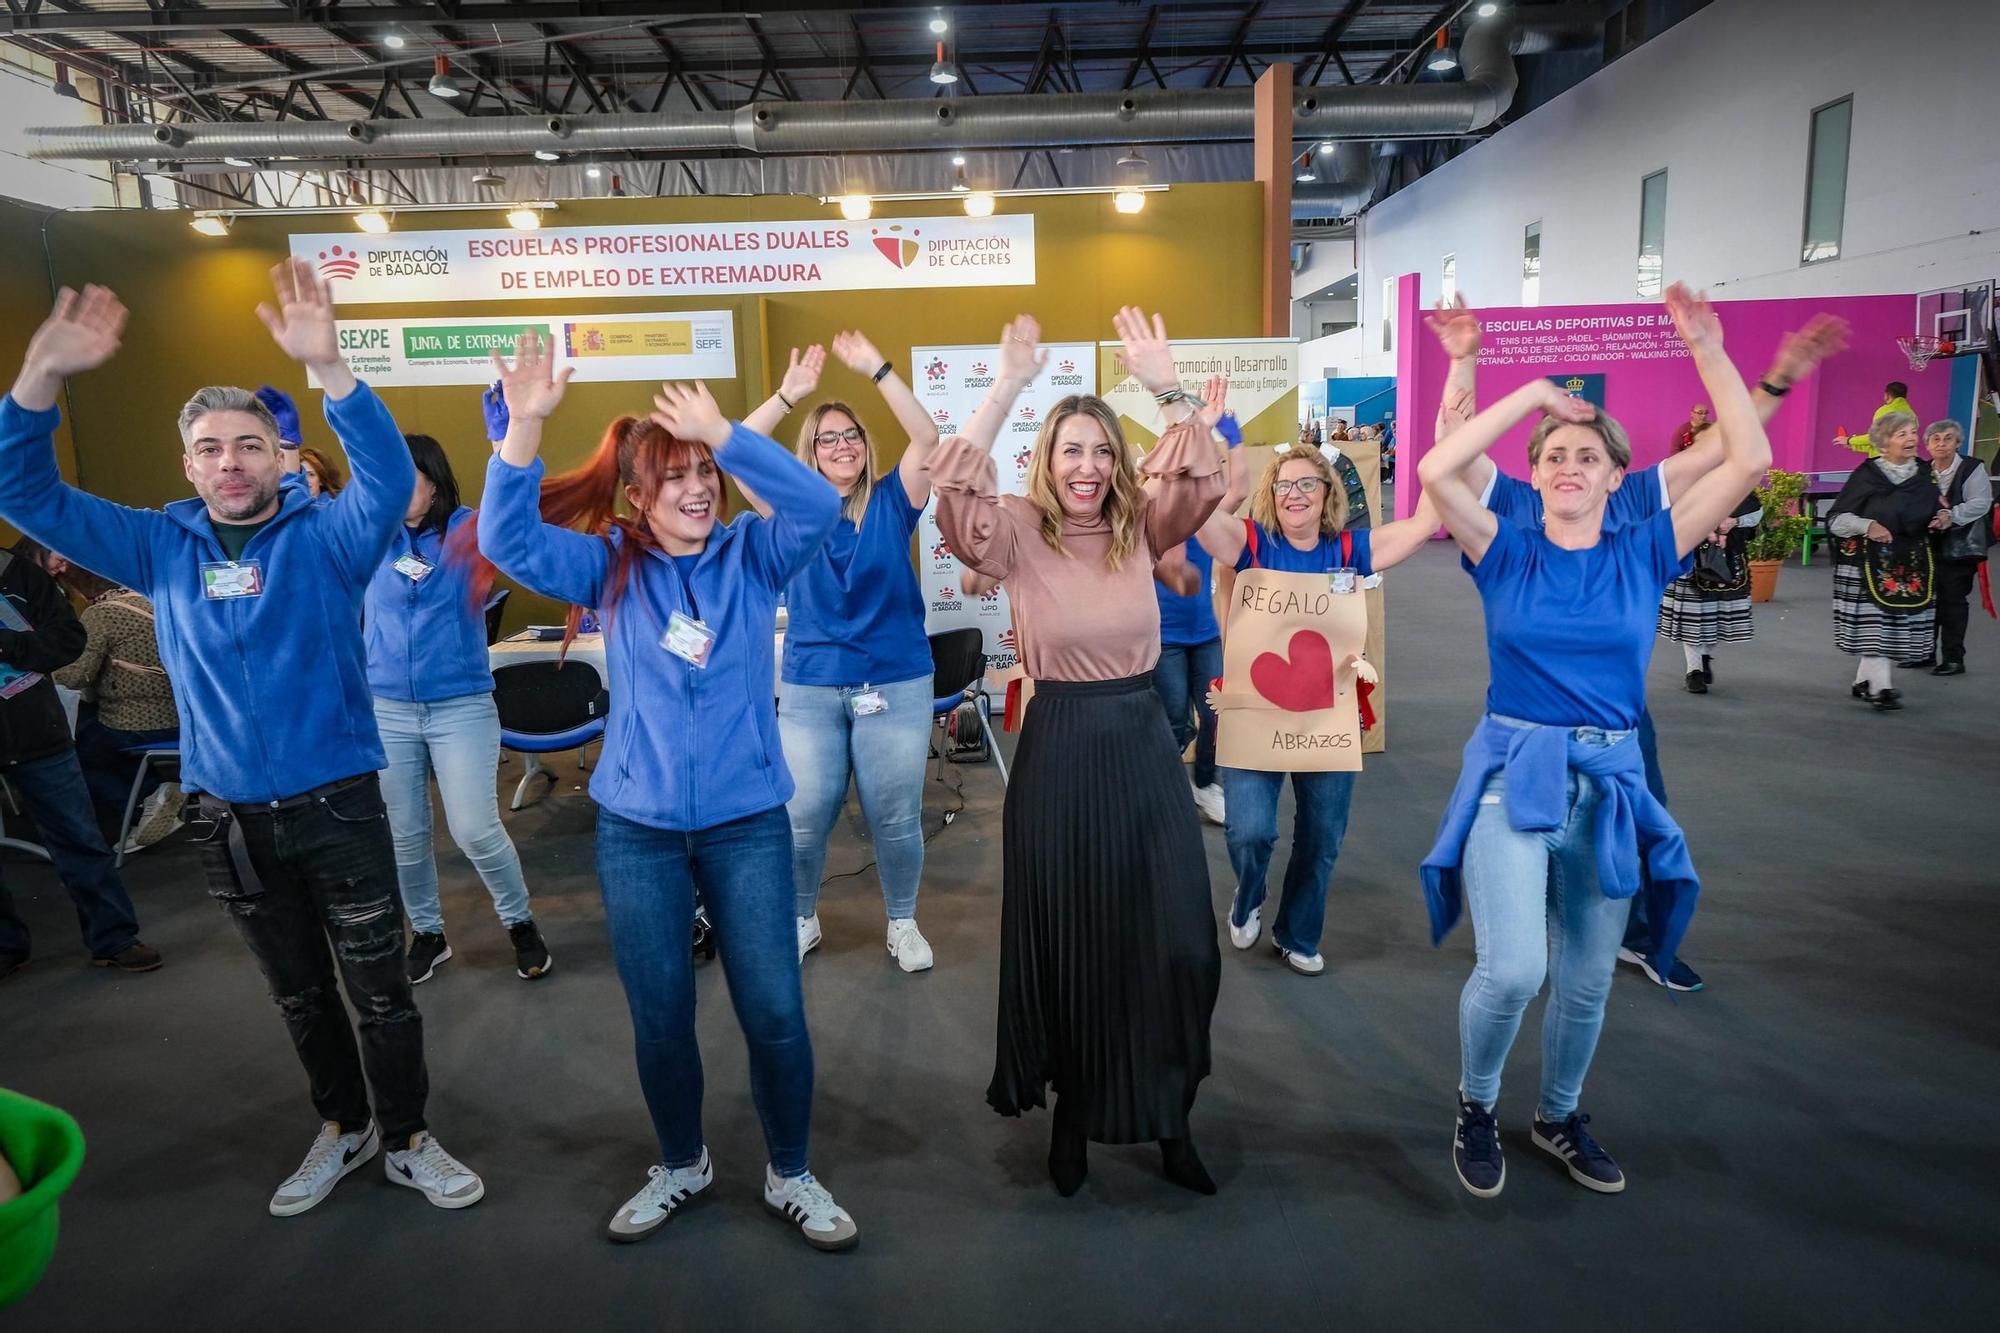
[1075,618]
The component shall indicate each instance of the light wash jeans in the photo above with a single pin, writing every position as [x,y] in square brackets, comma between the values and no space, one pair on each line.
[1537,911]
[885,752]
[459,740]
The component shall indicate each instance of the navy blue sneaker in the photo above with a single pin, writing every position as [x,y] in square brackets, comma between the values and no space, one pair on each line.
[1475,1150]
[1679,977]
[1570,1143]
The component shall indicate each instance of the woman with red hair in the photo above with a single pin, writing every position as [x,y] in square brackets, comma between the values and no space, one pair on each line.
[692,786]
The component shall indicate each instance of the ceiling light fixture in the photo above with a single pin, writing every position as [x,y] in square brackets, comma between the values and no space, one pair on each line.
[243,162]
[942,71]
[939,26]
[1488,11]
[1133,157]
[442,84]
[958,159]
[394,41]
[1442,60]
[979,204]
[544,155]
[593,170]
[210,224]
[373,221]
[1326,147]
[1128,201]
[524,218]
[489,179]
[856,207]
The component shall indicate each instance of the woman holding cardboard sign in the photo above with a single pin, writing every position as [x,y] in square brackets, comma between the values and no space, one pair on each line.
[1298,511]
[1108,960]
[1551,818]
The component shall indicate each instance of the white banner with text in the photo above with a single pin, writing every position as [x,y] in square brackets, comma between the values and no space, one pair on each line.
[457,349]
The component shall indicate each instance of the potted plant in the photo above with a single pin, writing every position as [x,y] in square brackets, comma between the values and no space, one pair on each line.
[1780,532]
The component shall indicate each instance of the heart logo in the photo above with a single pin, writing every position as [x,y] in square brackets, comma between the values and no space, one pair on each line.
[1300,683]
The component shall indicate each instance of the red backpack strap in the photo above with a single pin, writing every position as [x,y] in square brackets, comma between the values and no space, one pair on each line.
[1250,540]
[1346,549]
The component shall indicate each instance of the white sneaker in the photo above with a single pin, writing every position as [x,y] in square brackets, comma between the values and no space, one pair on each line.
[1245,935]
[332,1156]
[426,1166]
[808,935]
[1305,964]
[666,1189]
[1208,800]
[824,1223]
[159,818]
[907,945]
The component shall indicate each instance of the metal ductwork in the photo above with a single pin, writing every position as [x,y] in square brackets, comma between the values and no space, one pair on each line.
[1350,190]
[1361,111]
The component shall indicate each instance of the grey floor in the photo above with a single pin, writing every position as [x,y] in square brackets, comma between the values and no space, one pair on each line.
[1808,1141]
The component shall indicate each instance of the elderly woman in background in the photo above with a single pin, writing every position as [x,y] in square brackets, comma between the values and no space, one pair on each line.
[1884,593]
[1710,604]
[1961,530]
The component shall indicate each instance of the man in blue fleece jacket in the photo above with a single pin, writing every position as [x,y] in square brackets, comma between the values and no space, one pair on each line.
[255,591]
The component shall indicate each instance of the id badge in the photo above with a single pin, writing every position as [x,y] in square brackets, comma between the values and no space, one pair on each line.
[1341,580]
[866,702]
[689,640]
[224,579]
[412,567]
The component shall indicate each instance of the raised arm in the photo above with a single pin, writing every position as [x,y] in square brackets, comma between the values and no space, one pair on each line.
[804,505]
[1393,543]
[961,468]
[554,561]
[1221,533]
[80,334]
[1459,333]
[1444,471]
[1746,449]
[800,379]
[859,355]
[1798,355]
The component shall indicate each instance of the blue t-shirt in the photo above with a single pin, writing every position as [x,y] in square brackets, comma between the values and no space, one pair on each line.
[1186,621]
[1569,633]
[1643,494]
[1274,552]
[856,614]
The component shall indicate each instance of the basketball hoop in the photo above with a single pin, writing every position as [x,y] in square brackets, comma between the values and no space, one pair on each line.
[1921,347]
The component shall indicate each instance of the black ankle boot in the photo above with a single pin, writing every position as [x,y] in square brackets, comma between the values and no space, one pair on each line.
[1068,1149]
[1182,1165]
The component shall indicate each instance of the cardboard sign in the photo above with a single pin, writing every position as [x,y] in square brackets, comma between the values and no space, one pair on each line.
[1288,701]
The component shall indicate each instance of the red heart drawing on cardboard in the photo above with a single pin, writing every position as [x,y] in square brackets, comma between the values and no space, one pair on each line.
[1302,683]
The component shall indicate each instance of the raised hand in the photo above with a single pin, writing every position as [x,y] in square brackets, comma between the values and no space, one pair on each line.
[1800,353]
[301,322]
[1457,328]
[531,387]
[1694,318]
[1562,407]
[81,333]
[802,375]
[1147,355]
[857,353]
[688,412]
[1214,401]
[1020,355]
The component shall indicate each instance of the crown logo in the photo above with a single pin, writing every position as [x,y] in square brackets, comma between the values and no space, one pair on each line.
[1574,384]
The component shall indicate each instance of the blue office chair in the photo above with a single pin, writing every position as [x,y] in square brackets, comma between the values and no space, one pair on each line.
[958,665]
[546,707]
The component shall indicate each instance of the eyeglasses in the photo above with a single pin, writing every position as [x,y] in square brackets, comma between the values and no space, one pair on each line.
[827,439]
[1304,486]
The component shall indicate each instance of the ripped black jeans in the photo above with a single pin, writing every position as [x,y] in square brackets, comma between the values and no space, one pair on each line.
[296,876]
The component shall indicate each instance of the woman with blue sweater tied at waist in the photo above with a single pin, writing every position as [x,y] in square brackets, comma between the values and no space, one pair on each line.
[433,688]
[1551,818]
[692,785]
[856,694]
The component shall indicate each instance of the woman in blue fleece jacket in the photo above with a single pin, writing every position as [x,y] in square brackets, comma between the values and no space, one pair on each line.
[692,785]
[1551,816]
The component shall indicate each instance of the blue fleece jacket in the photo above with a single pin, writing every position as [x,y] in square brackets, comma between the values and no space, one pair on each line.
[272,689]
[426,640]
[685,747]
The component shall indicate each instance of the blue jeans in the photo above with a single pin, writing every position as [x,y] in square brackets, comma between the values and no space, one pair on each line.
[459,740]
[1181,677]
[59,802]
[108,764]
[649,877]
[1319,824]
[1638,928]
[1537,911]
[885,752]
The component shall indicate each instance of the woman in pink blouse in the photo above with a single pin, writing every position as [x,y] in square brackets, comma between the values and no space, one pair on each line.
[1108,958]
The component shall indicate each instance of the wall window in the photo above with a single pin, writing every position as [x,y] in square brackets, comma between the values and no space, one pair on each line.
[1826,181]
[1450,281]
[1388,314]
[1531,264]
[1652,232]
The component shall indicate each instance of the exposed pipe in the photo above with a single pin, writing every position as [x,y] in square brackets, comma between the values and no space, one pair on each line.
[1058,120]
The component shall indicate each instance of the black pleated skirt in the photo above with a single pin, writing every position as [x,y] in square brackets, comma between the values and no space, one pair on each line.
[1108,957]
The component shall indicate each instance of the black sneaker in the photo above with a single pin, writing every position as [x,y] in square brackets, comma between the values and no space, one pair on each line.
[10,963]
[426,952]
[1697,682]
[1679,977]
[1475,1150]
[531,956]
[1570,1143]
[134,957]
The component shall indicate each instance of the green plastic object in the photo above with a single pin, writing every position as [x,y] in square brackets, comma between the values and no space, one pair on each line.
[45,1148]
